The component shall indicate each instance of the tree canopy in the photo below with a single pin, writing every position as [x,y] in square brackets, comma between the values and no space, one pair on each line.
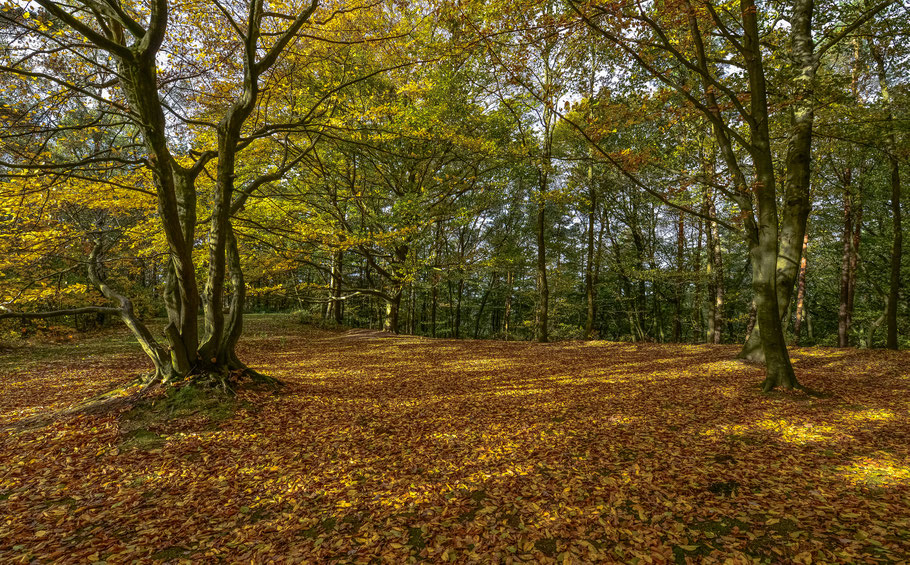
[680,170]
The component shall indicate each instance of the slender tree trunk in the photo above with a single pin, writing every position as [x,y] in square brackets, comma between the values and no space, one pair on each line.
[543,289]
[843,316]
[698,318]
[896,256]
[458,308]
[433,307]
[508,309]
[801,291]
[336,305]
[483,304]
[854,254]
[716,274]
[678,294]
[589,264]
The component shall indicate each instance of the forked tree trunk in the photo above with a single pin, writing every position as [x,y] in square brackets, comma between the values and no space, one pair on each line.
[135,50]
[764,243]
[796,203]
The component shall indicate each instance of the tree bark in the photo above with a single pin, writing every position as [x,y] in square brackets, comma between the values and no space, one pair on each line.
[589,264]
[796,203]
[763,233]
[508,308]
[483,305]
[843,311]
[678,287]
[801,291]
[392,309]
[543,289]
[459,295]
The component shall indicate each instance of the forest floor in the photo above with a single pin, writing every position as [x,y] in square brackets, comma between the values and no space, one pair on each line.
[403,449]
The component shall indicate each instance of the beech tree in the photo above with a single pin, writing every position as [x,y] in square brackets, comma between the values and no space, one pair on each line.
[698,42]
[139,63]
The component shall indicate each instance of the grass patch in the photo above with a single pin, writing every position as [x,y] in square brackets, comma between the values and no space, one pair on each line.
[176,408]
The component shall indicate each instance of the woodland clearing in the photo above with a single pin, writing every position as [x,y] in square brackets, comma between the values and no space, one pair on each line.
[401,449]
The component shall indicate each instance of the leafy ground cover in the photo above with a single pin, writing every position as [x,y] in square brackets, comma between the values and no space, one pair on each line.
[402,449]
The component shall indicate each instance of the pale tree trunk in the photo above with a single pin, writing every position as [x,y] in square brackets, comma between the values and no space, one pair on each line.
[483,305]
[715,273]
[434,306]
[434,279]
[392,310]
[508,308]
[801,291]
[896,255]
[697,316]
[459,295]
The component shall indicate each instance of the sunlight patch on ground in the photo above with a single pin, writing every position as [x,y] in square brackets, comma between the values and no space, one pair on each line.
[800,434]
[879,471]
[870,415]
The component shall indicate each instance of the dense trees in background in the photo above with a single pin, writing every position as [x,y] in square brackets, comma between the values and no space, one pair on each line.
[680,171]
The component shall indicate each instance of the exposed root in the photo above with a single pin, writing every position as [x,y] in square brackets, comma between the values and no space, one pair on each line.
[123,397]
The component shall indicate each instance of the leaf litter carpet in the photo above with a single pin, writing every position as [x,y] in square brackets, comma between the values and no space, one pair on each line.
[387,449]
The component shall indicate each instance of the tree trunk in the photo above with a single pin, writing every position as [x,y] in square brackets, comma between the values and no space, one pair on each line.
[433,307]
[716,274]
[843,311]
[763,234]
[542,287]
[896,255]
[508,309]
[796,204]
[589,264]
[335,303]
[392,308]
[698,318]
[801,291]
[483,304]
[458,308]
[678,294]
